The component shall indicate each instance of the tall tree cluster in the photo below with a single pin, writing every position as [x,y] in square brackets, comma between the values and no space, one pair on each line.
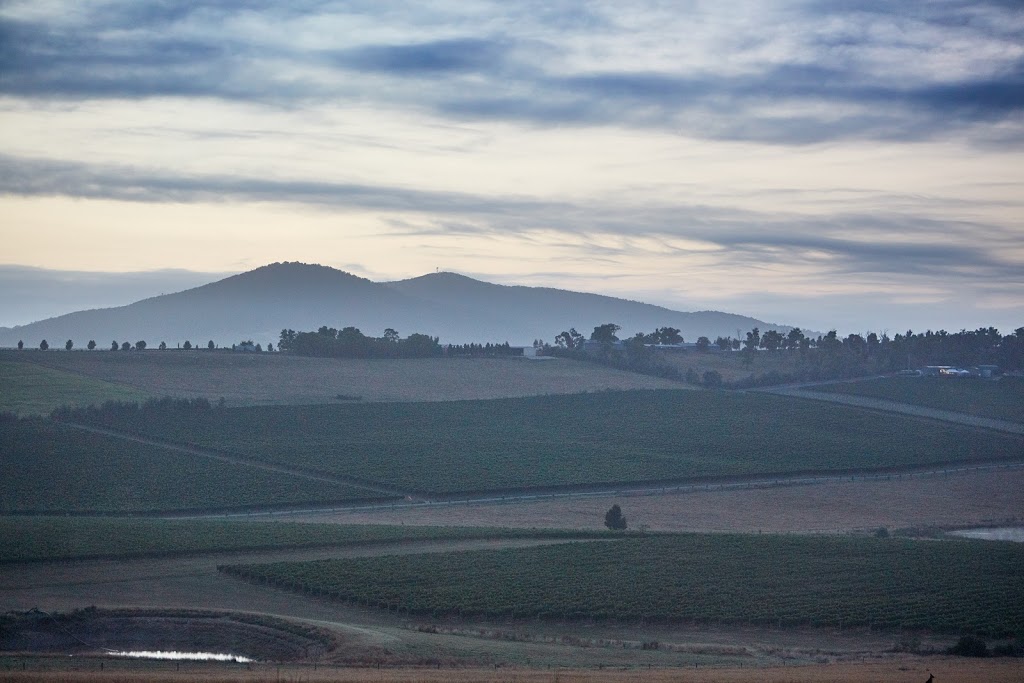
[349,342]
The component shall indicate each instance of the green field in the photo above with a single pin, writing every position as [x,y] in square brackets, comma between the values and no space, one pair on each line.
[611,437]
[1001,400]
[32,389]
[45,467]
[29,539]
[949,586]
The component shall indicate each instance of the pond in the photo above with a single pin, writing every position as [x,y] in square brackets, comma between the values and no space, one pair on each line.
[182,656]
[1005,533]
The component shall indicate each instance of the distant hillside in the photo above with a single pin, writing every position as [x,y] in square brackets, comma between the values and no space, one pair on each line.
[258,304]
[520,309]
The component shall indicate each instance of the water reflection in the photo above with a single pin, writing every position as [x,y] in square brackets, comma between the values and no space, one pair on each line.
[1009,533]
[191,656]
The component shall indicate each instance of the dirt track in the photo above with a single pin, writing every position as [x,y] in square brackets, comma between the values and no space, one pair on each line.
[907,669]
[368,634]
[902,408]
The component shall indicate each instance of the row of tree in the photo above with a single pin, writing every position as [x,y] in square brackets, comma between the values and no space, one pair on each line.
[140,345]
[487,350]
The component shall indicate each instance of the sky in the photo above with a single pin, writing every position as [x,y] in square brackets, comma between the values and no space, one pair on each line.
[847,165]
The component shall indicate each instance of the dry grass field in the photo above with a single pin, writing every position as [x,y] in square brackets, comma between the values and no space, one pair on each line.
[897,670]
[957,500]
[259,379]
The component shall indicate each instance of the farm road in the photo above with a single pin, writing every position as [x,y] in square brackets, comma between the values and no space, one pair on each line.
[237,460]
[896,407]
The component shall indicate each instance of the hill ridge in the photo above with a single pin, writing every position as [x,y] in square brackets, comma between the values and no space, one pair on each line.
[259,303]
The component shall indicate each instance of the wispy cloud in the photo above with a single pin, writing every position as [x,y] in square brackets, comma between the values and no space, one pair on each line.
[841,244]
[823,78]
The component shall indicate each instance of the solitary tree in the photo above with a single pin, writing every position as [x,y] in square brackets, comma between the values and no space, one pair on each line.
[43,345]
[163,346]
[613,519]
[21,344]
[605,333]
[570,339]
[126,346]
[91,345]
[187,345]
[140,345]
[210,345]
[270,347]
[667,335]
[772,340]
[703,344]
[68,345]
[114,346]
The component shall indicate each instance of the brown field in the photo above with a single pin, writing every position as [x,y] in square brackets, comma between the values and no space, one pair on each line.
[255,379]
[899,670]
[955,500]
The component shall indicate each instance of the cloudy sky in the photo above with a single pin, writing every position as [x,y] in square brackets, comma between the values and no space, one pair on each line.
[856,165]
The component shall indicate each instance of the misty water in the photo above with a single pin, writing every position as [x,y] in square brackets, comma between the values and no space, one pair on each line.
[1006,533]
[183,656]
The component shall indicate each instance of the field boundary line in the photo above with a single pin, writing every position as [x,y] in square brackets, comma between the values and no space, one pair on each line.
[627,490]
[236,460]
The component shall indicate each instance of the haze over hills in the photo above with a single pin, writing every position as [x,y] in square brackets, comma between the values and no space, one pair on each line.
[258,304]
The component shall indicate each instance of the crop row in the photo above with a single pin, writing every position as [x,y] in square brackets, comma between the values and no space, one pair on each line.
[46,467]
[27,539]
[637,436]
[887,583]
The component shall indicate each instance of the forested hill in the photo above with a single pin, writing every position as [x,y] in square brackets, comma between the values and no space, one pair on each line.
[550,310]
[260,303]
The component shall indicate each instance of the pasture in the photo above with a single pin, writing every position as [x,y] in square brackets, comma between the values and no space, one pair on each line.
[946,587]
[1001,399]
[273,378]
[579,440]
[732,365]
[49,468]
[35,389]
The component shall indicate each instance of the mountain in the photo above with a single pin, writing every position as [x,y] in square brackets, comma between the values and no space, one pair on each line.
[543,312]
[258,304]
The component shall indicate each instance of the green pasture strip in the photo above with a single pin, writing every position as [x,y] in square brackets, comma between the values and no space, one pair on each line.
[602,438]
[27,539]
[1002,399]
[30,389]
[50,468]
[943,586]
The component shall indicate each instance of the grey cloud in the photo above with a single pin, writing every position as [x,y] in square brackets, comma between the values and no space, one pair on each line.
[928,247]
[37,177]
[89,60]
[462,55]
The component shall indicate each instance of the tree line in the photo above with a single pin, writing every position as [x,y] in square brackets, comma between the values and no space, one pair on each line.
[350,342]
[827,356]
